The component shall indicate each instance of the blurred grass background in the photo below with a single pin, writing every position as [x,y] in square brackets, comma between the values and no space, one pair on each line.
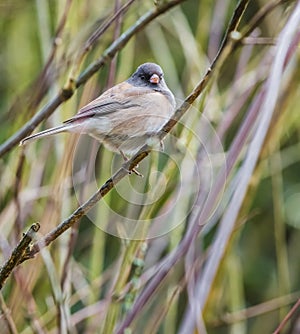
[87,280]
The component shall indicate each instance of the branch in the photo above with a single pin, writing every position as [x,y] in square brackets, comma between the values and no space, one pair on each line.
[65,93]
[88,205]
[18,253]
[40,86]
[133,162]
[119,175]
[99,32]
[287,317]
[261,14]
[145,150]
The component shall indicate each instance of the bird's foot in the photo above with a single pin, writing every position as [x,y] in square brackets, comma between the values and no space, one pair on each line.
[136,172]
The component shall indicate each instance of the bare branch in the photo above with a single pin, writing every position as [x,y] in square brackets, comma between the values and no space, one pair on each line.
[40,86]
[287,317]
[144,151]
[18,253]
[88,205]
[65,93]
[118,176]
[261,14]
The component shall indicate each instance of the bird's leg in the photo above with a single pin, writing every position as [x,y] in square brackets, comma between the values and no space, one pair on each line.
[161,145]
[123,156]
[133,170]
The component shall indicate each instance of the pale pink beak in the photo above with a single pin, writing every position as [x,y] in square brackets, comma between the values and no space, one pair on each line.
[154,79]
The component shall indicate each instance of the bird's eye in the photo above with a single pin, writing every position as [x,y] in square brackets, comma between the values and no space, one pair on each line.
[142,77]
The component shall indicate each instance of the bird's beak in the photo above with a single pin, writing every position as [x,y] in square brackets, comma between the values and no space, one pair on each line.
[154,79]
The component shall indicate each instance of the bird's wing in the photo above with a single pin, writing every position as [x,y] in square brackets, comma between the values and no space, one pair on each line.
[117,98]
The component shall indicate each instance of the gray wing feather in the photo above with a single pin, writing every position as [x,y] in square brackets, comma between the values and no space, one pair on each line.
[100,109]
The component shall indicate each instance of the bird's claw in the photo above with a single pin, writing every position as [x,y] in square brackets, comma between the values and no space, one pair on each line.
[136,172]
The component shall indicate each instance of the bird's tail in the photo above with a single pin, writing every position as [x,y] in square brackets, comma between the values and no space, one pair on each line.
[46,133]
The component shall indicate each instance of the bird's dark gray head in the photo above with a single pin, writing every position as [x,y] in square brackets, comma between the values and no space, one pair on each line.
[148,75]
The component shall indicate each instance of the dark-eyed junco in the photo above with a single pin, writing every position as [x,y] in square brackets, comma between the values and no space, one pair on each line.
[125,116]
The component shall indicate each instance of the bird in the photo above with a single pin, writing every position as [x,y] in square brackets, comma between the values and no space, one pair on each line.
[126,116]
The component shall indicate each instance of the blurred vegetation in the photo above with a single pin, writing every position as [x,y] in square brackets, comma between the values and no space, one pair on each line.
[88,280]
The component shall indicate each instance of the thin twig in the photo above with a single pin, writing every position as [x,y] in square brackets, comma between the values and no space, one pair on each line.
[122,172]
[118,176]
[181,249]
[133,162]
[261,14]
[18,253]
[113,64]
[88,205]
[17,187]
[256,310]
[70,249]
[259,41]
[94,37]
[99,32]
[68,90]
[37,90]
[287,317]
[6,314]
